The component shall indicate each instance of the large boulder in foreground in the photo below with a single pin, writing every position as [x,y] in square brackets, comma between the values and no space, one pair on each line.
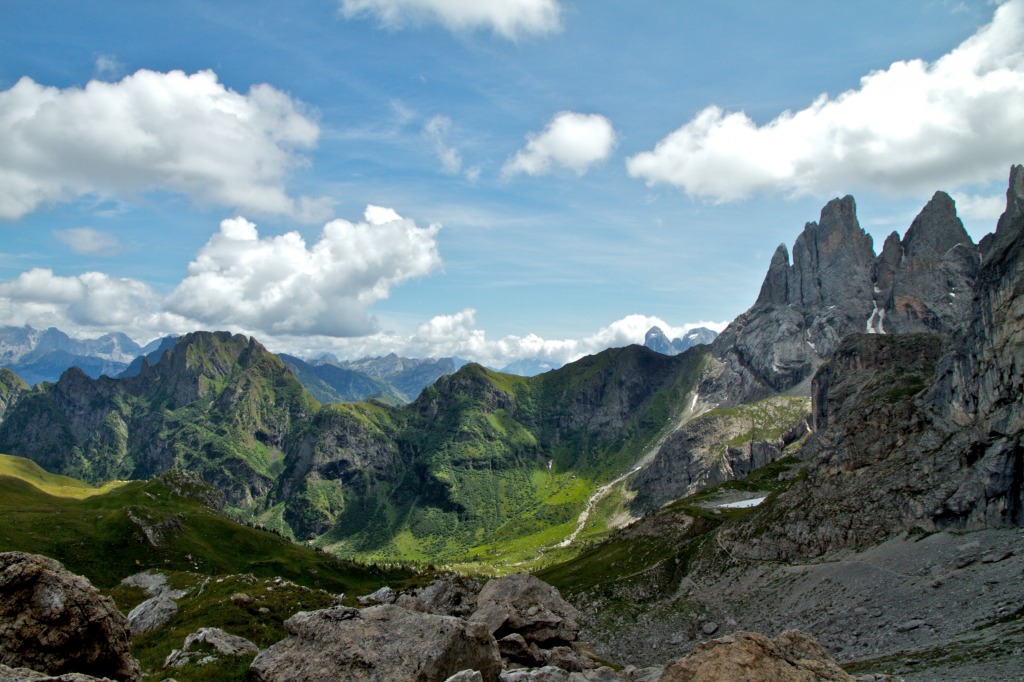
[384,643]
[524,605]
[753,657]
[56,622]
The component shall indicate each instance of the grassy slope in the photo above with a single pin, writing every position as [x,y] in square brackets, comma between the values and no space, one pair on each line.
[51,484]
[95,537]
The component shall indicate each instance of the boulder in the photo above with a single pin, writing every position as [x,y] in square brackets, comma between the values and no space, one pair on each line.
[221,642]
[753,657]
[56,622]
[151,614]
[25,675]
[450,596]
[377,643]
[524,605]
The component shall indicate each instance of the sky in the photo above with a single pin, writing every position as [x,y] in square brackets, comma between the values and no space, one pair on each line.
[491,179]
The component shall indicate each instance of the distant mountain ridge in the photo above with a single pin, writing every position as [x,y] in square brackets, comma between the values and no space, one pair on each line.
[656,340]
[42,355]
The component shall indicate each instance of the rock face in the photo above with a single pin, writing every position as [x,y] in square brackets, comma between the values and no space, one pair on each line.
[835,286]
[752,657]
[983,378]
[912,431]
[928,289]
[719,446]
[380,643]
[54,621]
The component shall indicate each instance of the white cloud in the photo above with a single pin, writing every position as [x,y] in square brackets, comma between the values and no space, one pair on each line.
[570,140]
[278,285]
[108,67]
[92,300]
[980,209]
[508,18]
[183,133]
[914,126]
[436,130]
[88,241]
[458,335]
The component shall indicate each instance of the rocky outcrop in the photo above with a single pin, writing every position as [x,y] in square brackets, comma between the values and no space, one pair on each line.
[718,446]
[8,674]
[911,431]
[151,614]
[198,645]
[56,622]
[834,286]
[534,626]
[982,378]
[929,288]
[11,388]
[753,657]
[380,643]
[451,595]
[802,311]
[161,606]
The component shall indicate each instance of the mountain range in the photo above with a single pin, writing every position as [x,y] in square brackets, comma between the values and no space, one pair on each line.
[845,457]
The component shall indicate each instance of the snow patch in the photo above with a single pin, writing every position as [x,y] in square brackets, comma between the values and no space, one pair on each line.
[743,504]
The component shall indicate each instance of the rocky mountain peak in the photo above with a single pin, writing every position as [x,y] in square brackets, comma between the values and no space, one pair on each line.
[775,289]
[935,230]
[929,288]
[656,340]
[833,260]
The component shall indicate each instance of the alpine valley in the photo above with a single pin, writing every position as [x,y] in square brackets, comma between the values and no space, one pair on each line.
[845,459]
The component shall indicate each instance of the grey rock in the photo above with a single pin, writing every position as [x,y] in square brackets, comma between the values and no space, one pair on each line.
[545,674]
[933,280]
[223,643]
[26,675]
[153,582]
[450,596]
[527,606]
[466,676]
[698,454]
[151,614]
[709,628]
[602,674]
[384,595]
[56,622]
[802,311]
[379,643]
[909,625]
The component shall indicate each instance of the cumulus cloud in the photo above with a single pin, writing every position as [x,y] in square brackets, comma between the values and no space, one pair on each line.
[984,210]
[281,286]
[914,126]
[92,300]
[570,140]
[458,335]
[88,241]
[179,132]
[508,18]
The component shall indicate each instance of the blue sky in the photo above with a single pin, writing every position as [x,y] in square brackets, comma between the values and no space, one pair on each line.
[547,177]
